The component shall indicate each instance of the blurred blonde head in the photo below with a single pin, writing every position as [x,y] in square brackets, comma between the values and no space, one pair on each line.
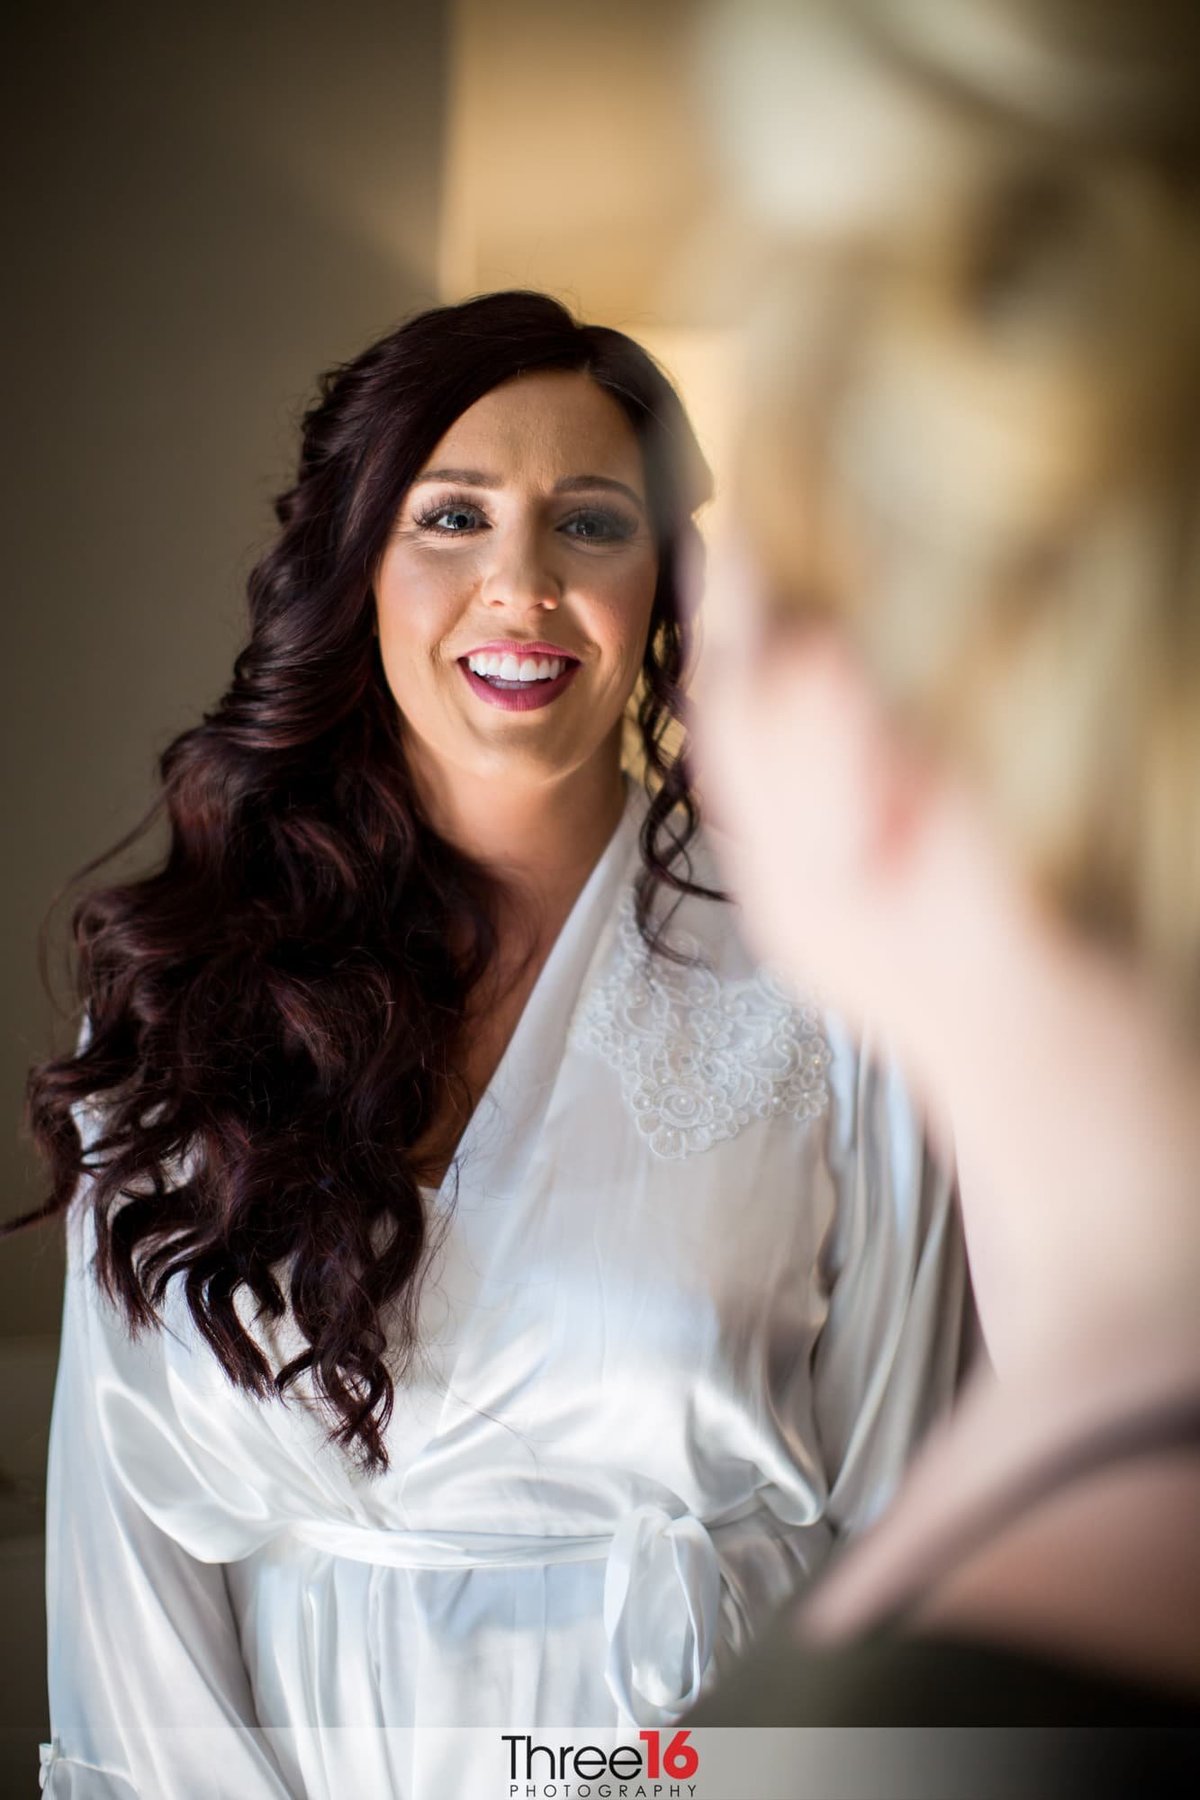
[973,419]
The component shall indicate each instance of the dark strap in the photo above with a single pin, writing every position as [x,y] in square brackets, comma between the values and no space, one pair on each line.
[1169,1427]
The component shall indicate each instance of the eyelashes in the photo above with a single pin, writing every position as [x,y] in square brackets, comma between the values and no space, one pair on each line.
[586,524]
[434,518]
[603,526]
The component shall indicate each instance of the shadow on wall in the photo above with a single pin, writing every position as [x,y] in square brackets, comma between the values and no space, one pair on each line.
[27,1368]
[208,207]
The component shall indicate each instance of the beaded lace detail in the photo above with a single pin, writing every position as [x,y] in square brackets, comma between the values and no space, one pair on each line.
[699,1057]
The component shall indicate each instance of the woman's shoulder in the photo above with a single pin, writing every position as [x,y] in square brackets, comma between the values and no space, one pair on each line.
[939,1679]
[704,1038]
[701,948]
[695,915]
[940,1713]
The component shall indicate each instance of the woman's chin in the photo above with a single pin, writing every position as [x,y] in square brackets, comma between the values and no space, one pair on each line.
[525,757]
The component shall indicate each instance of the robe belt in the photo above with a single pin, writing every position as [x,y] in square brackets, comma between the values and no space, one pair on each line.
[662,1588]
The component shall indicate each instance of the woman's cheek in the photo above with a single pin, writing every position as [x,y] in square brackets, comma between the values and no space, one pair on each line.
[618,619]
[426,597]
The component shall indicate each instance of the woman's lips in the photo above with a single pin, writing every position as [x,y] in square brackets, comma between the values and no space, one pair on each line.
[519,696]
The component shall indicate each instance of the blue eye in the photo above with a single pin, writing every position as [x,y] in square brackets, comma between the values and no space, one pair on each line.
[453,518]
[598,526]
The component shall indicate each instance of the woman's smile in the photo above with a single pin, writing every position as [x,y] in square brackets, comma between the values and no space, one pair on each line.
[517,675]
[515,594]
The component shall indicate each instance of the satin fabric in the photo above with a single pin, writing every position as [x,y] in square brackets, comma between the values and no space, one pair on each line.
[652,1389]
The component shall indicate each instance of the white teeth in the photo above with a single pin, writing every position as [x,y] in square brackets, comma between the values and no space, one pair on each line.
[508,667]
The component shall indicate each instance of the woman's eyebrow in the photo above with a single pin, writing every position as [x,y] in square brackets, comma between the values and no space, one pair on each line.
[574,484]
[570,484]
[467,477]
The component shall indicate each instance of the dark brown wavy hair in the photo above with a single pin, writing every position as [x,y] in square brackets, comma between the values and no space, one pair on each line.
[274,1013]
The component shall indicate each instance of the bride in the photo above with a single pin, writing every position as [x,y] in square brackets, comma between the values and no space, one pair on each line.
[488,1295]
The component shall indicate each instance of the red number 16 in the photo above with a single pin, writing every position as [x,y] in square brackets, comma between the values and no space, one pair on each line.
[679,1760]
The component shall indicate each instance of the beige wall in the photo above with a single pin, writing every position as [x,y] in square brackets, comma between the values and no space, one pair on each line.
[209,204]
[575,160]
[578,161]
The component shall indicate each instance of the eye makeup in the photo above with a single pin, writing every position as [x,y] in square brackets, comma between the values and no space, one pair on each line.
[598,525]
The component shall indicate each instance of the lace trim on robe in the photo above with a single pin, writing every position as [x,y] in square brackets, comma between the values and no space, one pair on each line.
[701,1058]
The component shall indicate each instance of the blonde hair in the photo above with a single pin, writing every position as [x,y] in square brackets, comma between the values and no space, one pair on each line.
[974,415]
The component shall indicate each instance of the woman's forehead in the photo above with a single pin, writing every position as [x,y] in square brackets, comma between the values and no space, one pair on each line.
[541,428]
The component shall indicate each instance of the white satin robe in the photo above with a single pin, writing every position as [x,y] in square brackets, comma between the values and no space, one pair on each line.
[699,1293]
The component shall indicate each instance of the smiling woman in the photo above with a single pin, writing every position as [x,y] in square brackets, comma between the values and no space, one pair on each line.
[488,1295]
[530,517]
[518,554]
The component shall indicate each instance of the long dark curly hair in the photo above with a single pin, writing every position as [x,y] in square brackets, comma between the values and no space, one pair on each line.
[274,1013]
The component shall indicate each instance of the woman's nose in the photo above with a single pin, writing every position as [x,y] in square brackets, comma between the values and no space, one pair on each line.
[521,577]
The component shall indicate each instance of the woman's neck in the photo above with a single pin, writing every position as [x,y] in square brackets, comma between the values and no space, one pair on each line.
[541,838]
[1076,1123]
[1075,1114]
[542,843]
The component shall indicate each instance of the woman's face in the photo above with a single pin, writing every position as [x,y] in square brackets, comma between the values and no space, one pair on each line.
[514,596]
[790,756]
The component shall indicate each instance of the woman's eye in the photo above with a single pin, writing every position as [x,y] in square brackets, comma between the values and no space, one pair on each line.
[598,527]
[452,519]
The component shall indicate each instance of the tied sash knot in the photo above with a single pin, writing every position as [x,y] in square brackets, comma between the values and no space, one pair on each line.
[662,1598]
